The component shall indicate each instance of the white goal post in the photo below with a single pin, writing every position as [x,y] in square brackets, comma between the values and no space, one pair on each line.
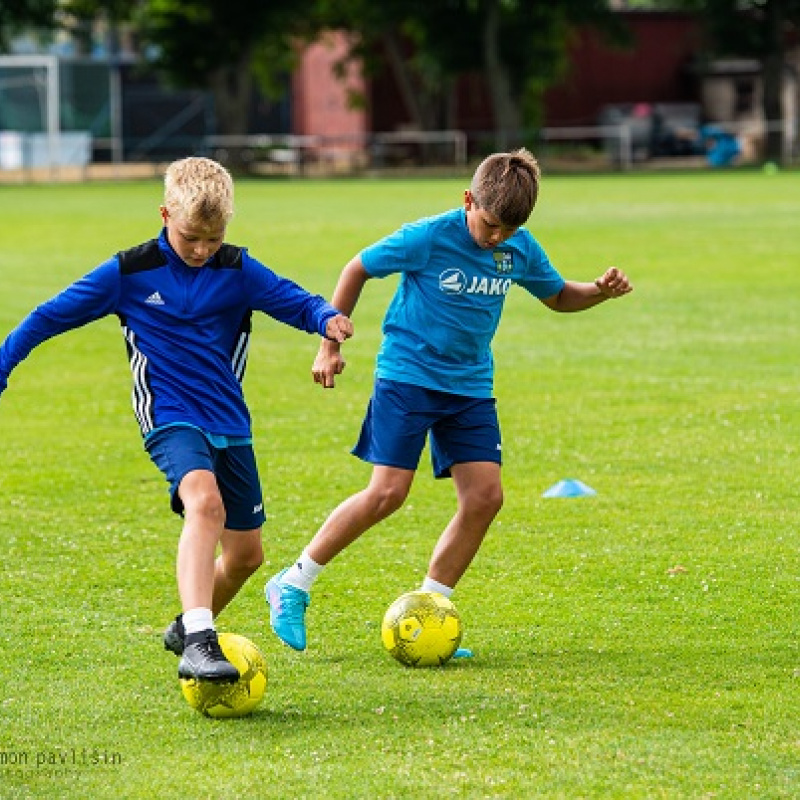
[54,109]
[43,78]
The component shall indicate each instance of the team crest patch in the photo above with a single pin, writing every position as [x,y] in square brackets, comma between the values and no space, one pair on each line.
[503,262]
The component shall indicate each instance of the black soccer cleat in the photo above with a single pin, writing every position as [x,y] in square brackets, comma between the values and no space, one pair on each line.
[175,636]
[203,659]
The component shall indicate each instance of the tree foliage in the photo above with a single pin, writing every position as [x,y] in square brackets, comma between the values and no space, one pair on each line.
[19,15]
[228,45]
[519,46]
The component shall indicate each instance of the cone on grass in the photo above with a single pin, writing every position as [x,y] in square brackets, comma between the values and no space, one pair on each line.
[569,487]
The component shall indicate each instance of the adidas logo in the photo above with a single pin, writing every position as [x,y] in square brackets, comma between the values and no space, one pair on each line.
[154,300]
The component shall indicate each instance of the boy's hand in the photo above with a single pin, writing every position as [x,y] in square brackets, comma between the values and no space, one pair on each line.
[613,283]
[328,364]
[339,328]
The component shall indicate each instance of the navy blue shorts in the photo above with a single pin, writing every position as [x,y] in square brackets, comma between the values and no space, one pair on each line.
[179,450]
[401,416]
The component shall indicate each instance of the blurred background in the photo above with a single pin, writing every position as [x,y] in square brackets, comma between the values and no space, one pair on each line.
[96,88]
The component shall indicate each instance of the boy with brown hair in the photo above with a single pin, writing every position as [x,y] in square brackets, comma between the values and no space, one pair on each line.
[184,301]
[434,373]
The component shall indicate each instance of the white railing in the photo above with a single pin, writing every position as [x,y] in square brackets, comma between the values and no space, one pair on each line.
[622,152]
[300,150]
[54,151]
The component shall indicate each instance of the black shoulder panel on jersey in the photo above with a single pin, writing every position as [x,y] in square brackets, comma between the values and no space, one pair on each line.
[229,256]
[141,258]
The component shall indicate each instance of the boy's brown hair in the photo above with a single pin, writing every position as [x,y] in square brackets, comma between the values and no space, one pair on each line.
[507,185]
[200,190]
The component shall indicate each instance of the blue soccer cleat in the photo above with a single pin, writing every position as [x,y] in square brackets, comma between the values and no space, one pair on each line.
[287,611]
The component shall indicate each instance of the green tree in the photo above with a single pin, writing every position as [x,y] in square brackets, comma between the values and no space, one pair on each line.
[395,35]
[226,45]
[517,45]
[19,15]
[525,50]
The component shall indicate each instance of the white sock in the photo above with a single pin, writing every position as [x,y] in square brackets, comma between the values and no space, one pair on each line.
[197,619]
[303,572]
[430,585]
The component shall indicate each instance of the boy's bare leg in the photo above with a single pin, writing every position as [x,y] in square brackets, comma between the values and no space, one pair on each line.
[480,498]
[204,518]
[288,591]
[241,555]
[386,492]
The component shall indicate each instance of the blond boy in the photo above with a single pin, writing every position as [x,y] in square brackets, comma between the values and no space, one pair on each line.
[184,301]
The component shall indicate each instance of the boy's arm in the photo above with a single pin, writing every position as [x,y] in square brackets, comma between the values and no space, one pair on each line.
[90,298]
[329,361]
[576,296]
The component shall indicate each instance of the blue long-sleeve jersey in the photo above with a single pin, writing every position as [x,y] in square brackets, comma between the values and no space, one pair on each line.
[186,329]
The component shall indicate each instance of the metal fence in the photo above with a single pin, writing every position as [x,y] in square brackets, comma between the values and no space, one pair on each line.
[71,118]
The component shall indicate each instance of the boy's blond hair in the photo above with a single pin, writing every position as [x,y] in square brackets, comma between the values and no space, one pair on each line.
[507,185]
[200,190]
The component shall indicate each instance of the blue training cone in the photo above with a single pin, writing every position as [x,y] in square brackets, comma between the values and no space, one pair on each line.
[569,488]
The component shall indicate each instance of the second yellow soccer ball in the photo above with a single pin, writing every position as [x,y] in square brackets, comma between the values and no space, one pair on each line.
[421,629]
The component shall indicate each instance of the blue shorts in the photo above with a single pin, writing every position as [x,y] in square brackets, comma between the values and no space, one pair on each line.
[400,417]
[180,449]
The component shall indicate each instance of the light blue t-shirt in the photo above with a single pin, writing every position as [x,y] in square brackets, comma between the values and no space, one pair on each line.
[439,327]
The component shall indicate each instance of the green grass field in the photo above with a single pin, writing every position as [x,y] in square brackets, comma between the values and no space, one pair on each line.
[642,643]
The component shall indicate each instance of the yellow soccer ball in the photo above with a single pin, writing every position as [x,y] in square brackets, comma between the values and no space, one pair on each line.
[231,699]
[421,629]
